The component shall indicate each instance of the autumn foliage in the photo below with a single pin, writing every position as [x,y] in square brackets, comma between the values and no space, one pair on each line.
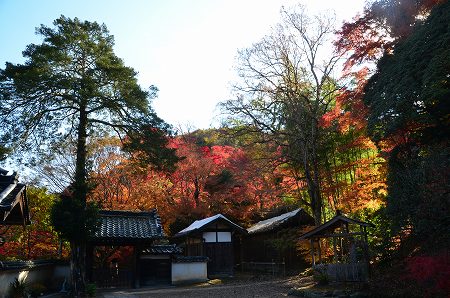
[38,240]
[431,272]
[209,179]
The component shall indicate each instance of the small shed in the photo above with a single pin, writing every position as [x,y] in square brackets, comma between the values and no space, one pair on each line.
[135,230]
[346,238]
[275,239]
[214,237]
[13,200]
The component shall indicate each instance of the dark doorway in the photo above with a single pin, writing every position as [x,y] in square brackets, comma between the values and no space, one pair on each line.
[155,271]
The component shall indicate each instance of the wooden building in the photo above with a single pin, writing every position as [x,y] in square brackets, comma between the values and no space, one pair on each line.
[214,237]
[137,232]
[156,264]
[275,239]
[346,238]
[13,200]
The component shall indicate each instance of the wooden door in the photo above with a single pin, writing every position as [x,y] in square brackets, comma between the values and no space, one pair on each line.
[155,271]
[221,259]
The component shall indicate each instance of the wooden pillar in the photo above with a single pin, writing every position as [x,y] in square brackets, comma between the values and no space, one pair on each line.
[202,245]
[334,250]
[312,252]
[136,279]
[365,236]
[319,250]
[366,252]
[241,251]
[217,234]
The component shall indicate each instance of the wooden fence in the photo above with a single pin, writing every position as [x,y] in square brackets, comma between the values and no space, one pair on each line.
[344,271]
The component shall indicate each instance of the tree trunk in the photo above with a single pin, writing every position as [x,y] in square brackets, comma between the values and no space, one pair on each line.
[196,192]
[80,184]
[311,167]
[78,248]
[77,267]
[313,190]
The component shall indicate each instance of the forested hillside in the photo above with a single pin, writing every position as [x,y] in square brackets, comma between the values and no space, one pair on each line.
[351,118]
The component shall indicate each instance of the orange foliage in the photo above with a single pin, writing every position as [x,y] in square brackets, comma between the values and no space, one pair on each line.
[35,241]
[368,36]
[221,179]
[208,180]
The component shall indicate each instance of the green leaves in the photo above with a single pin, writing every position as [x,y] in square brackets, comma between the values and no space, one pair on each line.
[411,87]
[42,99]
[409,111]
[73,75]
[73,219]
[149,145]
[71,89]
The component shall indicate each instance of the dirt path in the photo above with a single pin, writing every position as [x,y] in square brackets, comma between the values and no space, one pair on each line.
[270,288]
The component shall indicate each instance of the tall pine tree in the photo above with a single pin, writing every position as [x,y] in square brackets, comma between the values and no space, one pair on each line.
[71,87]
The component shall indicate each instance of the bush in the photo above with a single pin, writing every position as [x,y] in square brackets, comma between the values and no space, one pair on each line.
[91,290]
[18,289]
[431,272]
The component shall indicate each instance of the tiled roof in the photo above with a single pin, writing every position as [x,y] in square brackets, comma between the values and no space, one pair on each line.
[129,225]
[162,249]
[9,265]
[200,224]
[278,221]
[13,200]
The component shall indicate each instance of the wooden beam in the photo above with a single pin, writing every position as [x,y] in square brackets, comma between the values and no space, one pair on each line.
[338,235]
[320,251]
[334,250]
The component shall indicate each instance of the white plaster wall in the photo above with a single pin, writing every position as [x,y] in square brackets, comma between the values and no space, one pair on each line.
[50,276]
[189,272]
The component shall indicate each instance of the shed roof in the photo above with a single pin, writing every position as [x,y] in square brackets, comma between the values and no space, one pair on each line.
[13,200]
[279,221]
[128,226]
[199,225]
[332,224]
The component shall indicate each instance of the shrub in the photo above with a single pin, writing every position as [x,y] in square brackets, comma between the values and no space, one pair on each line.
[431,272]
[91,290]
[18,289]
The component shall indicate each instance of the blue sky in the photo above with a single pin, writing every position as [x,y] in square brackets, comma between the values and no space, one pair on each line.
[184,47]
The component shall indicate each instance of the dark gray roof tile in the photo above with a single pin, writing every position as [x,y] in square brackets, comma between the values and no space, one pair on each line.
[129,225]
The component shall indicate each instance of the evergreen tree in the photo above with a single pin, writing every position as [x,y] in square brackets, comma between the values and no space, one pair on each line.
[71,87]
[409,113]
